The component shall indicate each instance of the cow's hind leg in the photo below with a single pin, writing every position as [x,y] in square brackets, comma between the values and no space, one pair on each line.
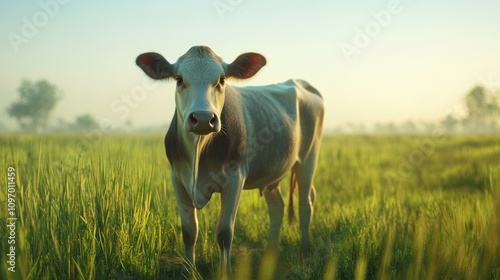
[275,208]
[307,196]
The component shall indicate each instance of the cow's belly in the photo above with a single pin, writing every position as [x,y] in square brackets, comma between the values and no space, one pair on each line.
[267,179]
[269,161]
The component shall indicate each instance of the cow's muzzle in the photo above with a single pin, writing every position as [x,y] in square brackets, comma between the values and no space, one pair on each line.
[203,122]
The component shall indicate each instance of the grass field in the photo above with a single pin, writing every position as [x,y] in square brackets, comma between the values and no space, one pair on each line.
[388,207]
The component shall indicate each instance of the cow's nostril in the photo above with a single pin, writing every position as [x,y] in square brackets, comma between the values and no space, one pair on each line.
[213,121]
[193,119]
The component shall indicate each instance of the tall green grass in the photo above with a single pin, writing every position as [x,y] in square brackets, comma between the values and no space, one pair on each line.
[105,209]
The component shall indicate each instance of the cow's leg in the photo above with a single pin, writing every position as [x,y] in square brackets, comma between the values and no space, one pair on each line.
[230,198]
[307,196]
[275,207]
[188,220]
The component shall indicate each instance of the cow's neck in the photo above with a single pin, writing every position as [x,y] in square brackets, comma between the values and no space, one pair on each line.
[193,145]
[204,161]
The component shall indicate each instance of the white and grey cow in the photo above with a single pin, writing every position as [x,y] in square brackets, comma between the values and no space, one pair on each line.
[225,139]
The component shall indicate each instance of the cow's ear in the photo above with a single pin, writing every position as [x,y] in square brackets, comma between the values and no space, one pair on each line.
[245,66]
[155,65]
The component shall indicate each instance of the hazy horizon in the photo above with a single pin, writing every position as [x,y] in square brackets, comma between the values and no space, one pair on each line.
[382,61]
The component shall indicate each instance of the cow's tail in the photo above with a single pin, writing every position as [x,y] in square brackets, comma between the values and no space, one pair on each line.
[293,185]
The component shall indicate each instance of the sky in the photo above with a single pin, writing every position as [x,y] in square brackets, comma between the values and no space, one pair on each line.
[373,61]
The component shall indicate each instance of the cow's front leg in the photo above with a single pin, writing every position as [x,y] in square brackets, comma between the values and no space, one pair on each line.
[230,198]
[189,231]
[188,220]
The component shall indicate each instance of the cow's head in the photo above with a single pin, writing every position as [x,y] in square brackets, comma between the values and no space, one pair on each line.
[201,77]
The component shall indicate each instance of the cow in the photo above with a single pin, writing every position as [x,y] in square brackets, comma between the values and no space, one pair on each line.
[224,139]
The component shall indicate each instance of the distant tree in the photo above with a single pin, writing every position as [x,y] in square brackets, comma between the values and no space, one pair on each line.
[493,126]
[385,128]
[128,125]
[62,125]
[361,128]
[450,123]
[338,129]
[85,122]
[36,102]
[482,109]
[378,128]
[356,128]
[409,127]
[430,127]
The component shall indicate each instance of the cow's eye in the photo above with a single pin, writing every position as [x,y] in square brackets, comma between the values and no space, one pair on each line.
[179,80]
[222,80]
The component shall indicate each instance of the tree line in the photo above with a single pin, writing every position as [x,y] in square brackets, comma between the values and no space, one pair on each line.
[36,102]
[480,113]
